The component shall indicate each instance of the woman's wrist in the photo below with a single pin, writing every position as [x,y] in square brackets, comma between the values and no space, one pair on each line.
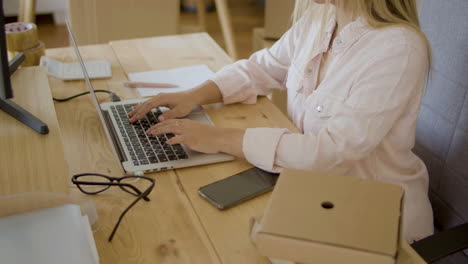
[230,140]
[195,96]
[206,93]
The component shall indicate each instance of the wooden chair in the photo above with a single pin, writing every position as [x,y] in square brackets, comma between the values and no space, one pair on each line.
[225,20]
[27,11]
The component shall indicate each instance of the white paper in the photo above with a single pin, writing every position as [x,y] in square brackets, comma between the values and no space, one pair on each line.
[185,78]
[48,236]
[90,238]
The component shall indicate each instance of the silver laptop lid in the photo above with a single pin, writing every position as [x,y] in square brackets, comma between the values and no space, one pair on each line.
[91,90]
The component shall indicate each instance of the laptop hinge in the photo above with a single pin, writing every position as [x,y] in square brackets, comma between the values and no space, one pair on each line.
[114,136]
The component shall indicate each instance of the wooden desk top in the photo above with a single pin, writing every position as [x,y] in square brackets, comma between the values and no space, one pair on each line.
[177,226]
[164,230]
[30,161]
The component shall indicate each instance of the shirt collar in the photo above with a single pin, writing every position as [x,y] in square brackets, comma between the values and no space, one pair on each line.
[330,28]
[347,37]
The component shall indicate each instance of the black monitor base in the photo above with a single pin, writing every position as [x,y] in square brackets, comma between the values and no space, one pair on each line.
[17,111]
[23,116]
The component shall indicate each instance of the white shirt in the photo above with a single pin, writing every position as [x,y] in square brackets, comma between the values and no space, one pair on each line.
[359,121]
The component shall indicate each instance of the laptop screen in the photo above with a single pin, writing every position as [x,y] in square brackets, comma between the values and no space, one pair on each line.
[91,89]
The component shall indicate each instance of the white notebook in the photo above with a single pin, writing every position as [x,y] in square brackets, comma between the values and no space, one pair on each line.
[50,236]
[184,78]
[72,70]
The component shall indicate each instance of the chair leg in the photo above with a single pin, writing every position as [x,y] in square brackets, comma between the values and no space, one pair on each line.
[201,13]
[226,25]
[27,11]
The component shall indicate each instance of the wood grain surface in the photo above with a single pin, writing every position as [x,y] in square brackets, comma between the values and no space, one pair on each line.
[30,161]
[164,230]
[227,230]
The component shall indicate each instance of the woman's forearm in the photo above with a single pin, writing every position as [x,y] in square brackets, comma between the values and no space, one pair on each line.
[206,93]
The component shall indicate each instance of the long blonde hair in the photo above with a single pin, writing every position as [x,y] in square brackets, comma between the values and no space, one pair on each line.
[378,13]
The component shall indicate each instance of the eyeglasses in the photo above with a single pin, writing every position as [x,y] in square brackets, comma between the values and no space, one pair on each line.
[94,183]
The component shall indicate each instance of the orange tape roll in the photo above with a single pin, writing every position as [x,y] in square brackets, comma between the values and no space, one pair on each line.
[21,36]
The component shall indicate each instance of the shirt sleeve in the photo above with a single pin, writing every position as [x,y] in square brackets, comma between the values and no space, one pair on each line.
[377,99]
[266,69]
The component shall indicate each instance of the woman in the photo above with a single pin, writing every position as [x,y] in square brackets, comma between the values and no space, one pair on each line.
[354,72]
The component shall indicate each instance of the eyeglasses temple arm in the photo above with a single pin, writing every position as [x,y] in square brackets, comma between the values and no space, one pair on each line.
[143,195]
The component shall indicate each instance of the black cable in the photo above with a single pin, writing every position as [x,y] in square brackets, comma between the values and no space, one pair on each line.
[114,97]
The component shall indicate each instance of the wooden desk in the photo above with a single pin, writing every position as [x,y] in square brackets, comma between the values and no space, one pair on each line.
[177,226]
[164,230]
[30,161]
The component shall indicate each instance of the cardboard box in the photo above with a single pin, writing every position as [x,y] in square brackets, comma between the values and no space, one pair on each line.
[323,218]
[101,21]
[278,17]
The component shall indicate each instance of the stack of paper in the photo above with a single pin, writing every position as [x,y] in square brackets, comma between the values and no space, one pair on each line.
[184,78]
[49,236]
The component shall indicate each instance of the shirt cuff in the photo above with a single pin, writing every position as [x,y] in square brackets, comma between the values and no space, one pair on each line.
[260,144]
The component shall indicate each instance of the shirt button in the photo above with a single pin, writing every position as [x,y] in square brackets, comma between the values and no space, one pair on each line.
[309,70]
[338,41]
[320,108]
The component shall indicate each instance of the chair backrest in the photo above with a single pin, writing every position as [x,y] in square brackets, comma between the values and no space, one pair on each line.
[442,129]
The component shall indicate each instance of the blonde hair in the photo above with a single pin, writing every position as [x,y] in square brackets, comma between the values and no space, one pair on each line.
[378,13]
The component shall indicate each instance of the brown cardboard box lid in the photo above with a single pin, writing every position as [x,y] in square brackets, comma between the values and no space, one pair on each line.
[365,216]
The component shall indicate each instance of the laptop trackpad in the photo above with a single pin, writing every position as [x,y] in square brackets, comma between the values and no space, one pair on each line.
[199,117]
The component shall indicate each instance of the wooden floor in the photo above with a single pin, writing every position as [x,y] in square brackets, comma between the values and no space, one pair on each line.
[245,15]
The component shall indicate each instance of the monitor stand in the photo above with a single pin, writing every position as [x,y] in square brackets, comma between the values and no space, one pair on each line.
[17,111]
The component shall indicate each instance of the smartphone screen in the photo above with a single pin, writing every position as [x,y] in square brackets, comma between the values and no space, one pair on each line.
[238,188]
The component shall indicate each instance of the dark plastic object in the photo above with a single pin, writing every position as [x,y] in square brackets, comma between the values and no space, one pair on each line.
[443,244]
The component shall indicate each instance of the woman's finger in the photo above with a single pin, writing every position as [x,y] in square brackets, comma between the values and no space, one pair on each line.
[144,108]
[171,114]
[135,109]
[136,114]
[179,139]
[171,126]
[164,123]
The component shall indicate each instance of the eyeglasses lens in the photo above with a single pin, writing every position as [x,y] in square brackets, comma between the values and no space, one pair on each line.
[100,183]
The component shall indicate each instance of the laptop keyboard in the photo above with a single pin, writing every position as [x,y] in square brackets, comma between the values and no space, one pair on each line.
[145,149]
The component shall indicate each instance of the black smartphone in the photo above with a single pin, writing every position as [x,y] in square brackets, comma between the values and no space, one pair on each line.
[238,188]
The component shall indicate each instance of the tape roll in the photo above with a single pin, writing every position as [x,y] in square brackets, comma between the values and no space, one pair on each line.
[21,36]
[33,56]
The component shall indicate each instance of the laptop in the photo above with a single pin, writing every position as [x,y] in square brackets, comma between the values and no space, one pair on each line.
[137,151]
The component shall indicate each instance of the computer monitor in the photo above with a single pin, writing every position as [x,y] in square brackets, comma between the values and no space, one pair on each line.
[5,85]
[6,92]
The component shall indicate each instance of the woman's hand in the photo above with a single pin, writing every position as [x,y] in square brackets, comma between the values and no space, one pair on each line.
[201,137]
[181,104]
